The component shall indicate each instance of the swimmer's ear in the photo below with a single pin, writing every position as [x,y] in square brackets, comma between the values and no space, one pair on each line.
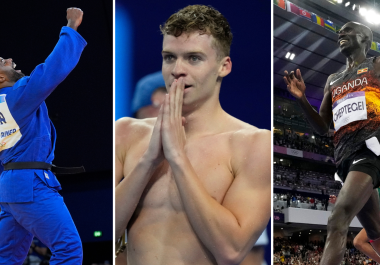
[225,66]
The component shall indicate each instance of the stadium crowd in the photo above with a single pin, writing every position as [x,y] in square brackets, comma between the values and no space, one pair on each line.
[288,252]
[317,144]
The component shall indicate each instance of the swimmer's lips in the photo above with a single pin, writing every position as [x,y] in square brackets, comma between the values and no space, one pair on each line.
[187,88]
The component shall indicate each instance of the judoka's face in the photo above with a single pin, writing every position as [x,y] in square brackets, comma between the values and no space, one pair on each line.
[193,56]
[7,68]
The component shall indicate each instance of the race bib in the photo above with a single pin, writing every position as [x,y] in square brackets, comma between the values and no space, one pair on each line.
[350,108]
[9,130]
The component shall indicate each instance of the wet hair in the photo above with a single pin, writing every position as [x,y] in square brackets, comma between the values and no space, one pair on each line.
[206,20]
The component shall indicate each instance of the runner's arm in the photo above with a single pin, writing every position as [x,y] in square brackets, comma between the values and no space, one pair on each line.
[319,121]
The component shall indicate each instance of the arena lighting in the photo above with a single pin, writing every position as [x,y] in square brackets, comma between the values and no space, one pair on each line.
[292,56]
[363,11]
[309,233]
[353,7]
[319,231]
[281,159]
[287,55]
[347,4]
[339,1]
[372,17]
[312,137]
[282,228]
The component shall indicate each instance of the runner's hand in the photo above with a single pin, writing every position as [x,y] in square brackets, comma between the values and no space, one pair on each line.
[74,17]
[295,84]
[173,133]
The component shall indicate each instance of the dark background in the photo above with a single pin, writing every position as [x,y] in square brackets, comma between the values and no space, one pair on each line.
[245,92]
[80,107]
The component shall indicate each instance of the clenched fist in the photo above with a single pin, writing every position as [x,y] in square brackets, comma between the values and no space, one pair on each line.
[74,17]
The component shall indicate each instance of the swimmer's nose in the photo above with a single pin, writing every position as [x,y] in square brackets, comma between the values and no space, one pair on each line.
[179,69]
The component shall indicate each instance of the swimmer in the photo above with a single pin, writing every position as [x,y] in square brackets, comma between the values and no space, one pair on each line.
[256,255]
[351,102]
[29,199]
[196,187]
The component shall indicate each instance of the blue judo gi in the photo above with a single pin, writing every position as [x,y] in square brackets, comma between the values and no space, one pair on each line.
[29,199]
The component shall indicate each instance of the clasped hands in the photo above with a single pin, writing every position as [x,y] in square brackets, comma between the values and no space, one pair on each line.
[168,137]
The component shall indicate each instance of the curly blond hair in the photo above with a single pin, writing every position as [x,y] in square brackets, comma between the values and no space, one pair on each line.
[206,20]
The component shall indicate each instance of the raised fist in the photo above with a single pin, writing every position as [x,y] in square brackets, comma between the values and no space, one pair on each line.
[74,17]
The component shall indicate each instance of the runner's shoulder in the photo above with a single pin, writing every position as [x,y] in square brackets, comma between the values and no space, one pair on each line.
[328,82]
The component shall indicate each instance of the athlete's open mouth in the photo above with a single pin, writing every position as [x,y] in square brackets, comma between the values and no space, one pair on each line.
[187,86]
[342,42]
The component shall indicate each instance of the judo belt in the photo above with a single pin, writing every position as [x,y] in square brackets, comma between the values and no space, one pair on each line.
[46,166]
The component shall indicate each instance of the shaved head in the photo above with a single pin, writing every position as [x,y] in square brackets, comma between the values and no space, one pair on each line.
[364,30]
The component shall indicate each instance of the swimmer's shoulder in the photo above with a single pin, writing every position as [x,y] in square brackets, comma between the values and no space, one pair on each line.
[247,136]
[129,130]
[250,148]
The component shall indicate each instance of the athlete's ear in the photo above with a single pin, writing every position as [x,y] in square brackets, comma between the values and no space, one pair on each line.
[225,66]
[363,37]
[3,77]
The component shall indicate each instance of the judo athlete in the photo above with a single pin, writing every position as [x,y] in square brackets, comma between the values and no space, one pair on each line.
[29,199]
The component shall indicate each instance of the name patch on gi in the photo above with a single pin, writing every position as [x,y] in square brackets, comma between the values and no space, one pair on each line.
[350,108]
[9,130]
[360,71]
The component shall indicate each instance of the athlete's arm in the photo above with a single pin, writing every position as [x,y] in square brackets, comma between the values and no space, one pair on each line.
[376,65]
[228,230]
[65,56]
[319,121]
[74,17]
[130,189]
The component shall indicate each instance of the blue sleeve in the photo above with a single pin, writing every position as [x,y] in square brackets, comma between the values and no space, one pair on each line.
[48,75]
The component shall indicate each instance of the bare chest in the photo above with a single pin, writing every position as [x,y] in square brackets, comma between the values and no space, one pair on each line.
[210,159]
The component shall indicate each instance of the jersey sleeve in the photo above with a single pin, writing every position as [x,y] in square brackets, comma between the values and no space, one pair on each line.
[48,75]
